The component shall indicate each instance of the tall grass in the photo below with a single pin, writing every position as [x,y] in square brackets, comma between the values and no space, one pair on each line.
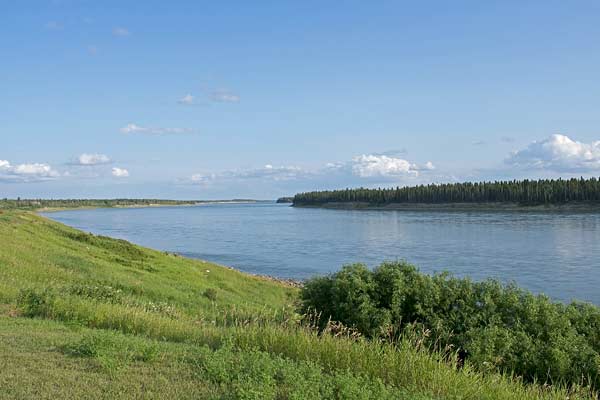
[405,364]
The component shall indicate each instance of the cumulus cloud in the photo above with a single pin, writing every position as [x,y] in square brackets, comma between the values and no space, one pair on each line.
[93,159]
[26,172]
[366,168]
[558,153]
[204,180]
[224,96]
[134,128]
[369,166]
[187,100]
[428,166]
[120,172]
[200,178]
[120,31]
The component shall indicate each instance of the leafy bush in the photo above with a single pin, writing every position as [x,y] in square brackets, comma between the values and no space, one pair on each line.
[210,294]
[33,303]
[104,293]
[494,326]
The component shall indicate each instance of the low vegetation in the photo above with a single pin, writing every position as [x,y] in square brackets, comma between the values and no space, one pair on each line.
[526,192]
[493,326]
[36,204]
[85,316]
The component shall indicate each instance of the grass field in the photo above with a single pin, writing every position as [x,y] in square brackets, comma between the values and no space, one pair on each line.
[84,316]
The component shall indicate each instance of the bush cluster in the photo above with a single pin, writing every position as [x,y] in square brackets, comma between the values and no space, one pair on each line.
[103,293]
[493,326]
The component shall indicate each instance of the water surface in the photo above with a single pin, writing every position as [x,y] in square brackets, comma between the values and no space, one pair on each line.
[554,253]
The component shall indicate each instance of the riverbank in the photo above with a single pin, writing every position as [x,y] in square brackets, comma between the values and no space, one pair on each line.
[462,207]
[82,204]
[87,316]
[56,209]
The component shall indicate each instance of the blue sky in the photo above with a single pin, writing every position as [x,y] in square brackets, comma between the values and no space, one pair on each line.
[190,99]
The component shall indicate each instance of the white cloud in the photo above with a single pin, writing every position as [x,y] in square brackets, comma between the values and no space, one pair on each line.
[391,153]
[369,166]
[224,96]
[36,169]
[267,172]
[188,99]
[272,172]
[120,172]
[428,166]
[119,31]
[26,172]
[362,169]
[203,179]
[93,159]
[133,128]
[558,153]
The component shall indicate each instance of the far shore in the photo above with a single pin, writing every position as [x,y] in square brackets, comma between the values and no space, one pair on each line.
[197,203]
[570,207]
[56,209]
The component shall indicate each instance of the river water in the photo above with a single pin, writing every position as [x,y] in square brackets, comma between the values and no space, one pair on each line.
[554,253]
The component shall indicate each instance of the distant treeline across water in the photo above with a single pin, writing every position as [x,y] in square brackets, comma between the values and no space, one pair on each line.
[525,192]
[77,203]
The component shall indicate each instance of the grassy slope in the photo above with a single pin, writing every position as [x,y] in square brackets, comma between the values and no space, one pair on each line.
[35,251]
[114,320]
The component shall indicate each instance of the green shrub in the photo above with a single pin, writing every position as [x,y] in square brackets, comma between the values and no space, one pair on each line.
[210,294]
[104,293]
[494,326]
[33,303]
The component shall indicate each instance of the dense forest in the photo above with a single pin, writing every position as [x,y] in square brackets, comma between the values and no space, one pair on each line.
[34,204]
[525,192]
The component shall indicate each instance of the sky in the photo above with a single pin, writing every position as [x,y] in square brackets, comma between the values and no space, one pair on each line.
[239,99]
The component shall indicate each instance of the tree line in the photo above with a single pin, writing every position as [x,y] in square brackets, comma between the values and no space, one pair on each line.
[525,192]
[34,204]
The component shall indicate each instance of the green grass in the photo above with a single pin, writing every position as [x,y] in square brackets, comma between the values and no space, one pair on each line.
[37,253]
[83,316]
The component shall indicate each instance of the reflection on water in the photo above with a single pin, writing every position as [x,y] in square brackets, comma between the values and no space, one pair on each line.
[558,254]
